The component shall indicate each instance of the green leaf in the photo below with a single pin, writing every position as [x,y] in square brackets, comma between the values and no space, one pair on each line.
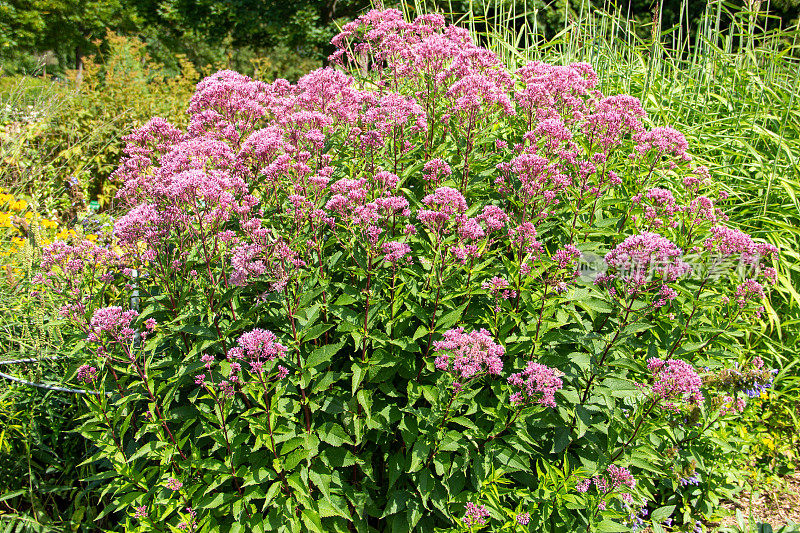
[609,526]
[662,513]
[312,520]
[447,321]
[314,332]
[345,299]
[419,455]
[333,434]
[323,354]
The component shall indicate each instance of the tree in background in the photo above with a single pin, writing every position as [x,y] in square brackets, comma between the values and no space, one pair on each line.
[292,35]
[68,28]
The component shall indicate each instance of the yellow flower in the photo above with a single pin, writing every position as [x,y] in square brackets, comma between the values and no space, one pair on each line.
[769,442]
[49,224]
[19,205]
[92,237]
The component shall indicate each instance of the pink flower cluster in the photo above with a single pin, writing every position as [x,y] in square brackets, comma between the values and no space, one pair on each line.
[435,170]
[537,383]
[75,260]
[640,259]
[173,484]
[395,251]
[614,478]
[113,324]
[674,379]
[566,256]
[662,142]
[468,356]
[258,344]
[445,204]
[475,515]
[729,241]
[87,374]
[498,287]
[749,290]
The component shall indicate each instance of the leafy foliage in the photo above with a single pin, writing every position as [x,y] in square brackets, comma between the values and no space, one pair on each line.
[356,303]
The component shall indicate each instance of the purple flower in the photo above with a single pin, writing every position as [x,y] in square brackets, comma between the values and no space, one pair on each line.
[639,258]
[674,379]
[174,484]
[538,383]
[619,476]
[87,374]
[468,355]
[475,514]
[436,169]
[395,251]
[261,344]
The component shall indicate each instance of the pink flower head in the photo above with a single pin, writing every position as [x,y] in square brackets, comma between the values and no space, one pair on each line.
[435,170]
[395,251]
[174,484]
[567,256]
[494,217]
[468,355]
[261,344]
[445,204]
[619,476]
[446,200]
[524,238]
[639,258]
[674,379]
[475,515]
[386,179]
[87,374]
[468,228]
[663,142]
[749,290]
[537,383]
[113,322]
[733,242]
[498,287]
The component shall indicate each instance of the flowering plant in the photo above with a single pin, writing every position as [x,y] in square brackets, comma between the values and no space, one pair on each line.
[367,300]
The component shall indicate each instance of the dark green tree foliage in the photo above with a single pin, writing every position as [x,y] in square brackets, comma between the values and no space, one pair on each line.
[67,27]
[227,33]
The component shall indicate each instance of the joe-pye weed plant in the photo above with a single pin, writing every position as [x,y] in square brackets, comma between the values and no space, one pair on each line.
[416,291]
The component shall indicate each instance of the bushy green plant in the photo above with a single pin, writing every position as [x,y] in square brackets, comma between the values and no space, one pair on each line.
[44,483]
[61,142]
[428,294]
